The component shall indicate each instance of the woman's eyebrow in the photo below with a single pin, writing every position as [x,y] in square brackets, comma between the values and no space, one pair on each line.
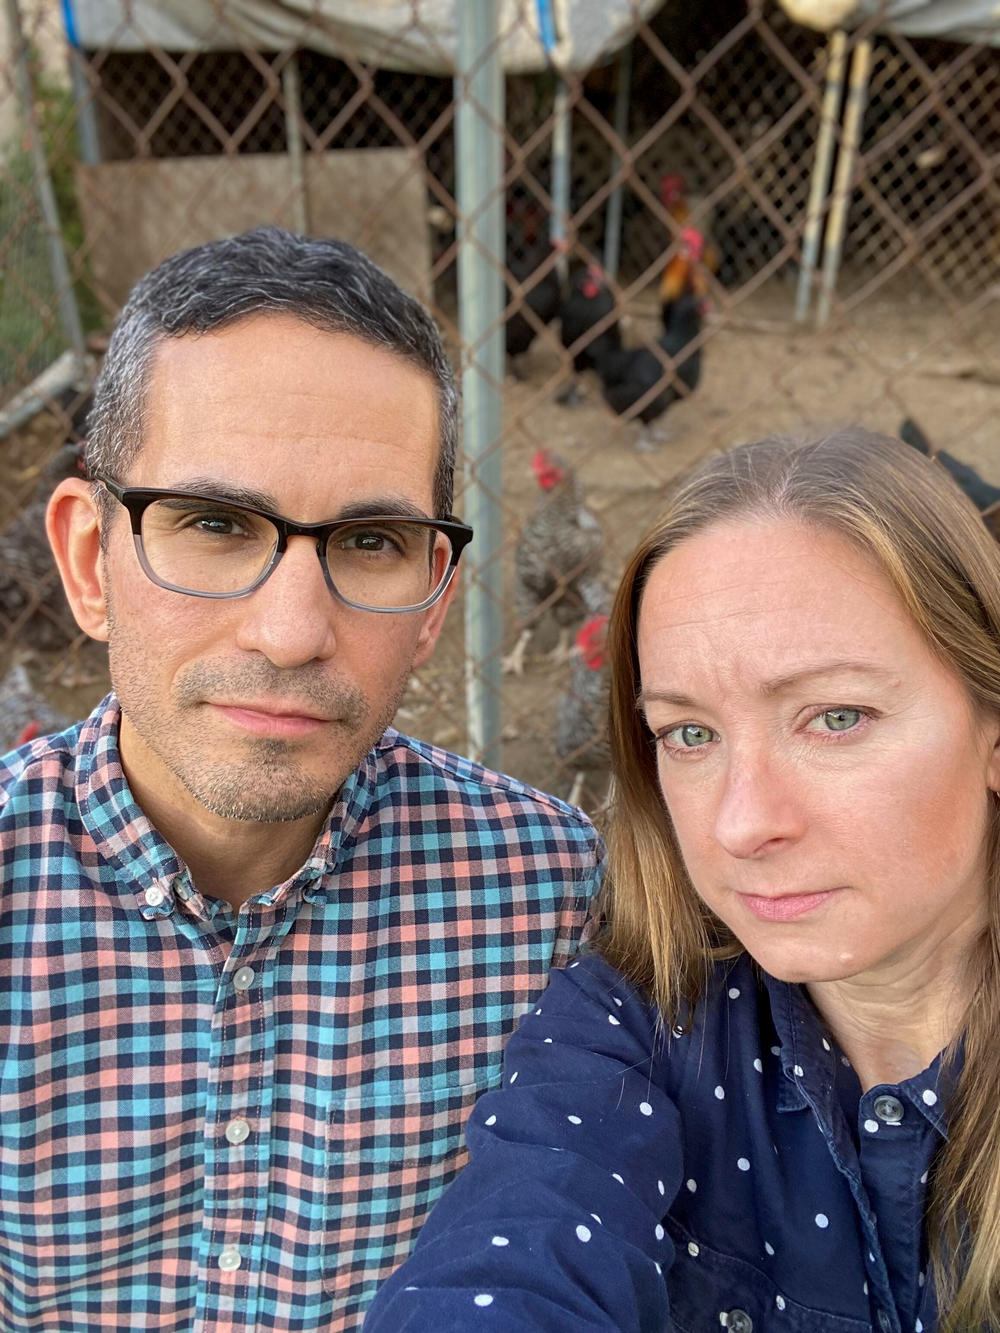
[781,684]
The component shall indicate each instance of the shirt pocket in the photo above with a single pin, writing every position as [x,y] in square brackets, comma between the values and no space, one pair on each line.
[711,1291]
[390,1153]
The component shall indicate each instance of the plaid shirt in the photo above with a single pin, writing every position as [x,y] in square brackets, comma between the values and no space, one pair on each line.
[215,1120]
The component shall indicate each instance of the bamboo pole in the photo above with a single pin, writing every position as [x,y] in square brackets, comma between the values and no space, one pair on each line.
[825,141]
[836,225]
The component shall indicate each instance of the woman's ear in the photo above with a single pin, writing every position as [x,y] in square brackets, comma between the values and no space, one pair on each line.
[72,522]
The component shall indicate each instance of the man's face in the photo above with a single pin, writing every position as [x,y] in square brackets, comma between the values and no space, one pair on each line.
[260,706]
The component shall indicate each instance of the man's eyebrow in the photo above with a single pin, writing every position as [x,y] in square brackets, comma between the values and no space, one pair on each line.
[780,684]
[391,506]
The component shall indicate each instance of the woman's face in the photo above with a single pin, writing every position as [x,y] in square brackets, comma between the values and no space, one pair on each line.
[826,774]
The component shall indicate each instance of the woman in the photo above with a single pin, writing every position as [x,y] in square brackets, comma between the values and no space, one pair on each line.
[770,1098]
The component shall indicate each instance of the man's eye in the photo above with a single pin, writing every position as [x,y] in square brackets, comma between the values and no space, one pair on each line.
[838,719]
[220,525]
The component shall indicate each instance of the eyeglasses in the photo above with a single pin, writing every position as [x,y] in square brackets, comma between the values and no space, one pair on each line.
[209,547]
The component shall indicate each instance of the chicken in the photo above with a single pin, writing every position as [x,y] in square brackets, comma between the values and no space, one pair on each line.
[980,492]
[32,606]
[558,557]
[685,272]
[673,195]
[541,296]
[651,378]
[24,713]
[581,734]
[587,329]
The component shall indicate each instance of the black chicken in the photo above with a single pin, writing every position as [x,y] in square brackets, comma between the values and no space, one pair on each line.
[637,376]
[980,492]
[542,296]
[590,304]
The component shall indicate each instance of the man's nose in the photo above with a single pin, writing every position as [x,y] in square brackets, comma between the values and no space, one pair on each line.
[759,807]
[290,617]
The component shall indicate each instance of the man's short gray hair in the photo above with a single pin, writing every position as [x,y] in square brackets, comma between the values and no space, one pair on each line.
[329,284]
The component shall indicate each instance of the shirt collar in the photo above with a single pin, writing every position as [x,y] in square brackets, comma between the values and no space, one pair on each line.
[148,868]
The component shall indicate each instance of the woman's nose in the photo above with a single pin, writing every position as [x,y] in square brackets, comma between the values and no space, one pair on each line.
[759,808]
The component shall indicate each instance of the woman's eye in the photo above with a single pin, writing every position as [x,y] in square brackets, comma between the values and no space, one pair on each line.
[688,736]
[838,719]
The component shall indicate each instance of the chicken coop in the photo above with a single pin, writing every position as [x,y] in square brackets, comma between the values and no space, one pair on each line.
[648,230]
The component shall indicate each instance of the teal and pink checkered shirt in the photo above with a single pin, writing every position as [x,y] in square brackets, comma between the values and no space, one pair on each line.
[216,1121]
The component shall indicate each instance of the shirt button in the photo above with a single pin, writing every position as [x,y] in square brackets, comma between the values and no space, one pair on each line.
[237,1131]
[738,1321]
[230,1259]
[889,1110]
[244,977]
[154,895]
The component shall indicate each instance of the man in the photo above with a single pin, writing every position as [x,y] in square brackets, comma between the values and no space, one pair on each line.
[259,953]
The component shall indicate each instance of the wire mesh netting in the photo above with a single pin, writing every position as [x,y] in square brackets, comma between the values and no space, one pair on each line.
[708,118]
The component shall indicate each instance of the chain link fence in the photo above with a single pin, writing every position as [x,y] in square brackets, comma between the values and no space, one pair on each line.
[711,117]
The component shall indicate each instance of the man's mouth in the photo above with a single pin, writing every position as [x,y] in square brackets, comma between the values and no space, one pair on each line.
[268,718]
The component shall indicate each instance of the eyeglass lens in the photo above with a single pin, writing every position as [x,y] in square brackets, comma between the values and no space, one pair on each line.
[219,548]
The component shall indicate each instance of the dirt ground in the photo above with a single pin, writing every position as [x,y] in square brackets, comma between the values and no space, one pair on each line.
[900,353]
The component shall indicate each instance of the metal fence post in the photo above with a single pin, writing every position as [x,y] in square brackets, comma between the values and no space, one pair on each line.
[613,217]
[479,95]
[69,315]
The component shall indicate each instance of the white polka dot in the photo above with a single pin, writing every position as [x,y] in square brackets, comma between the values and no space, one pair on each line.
[720,1092]
[661,1187]
[871,1126]
[797,1070]
[615,1022]
[548,1041]
[734,992]
[411,1288]
[692,1185]
[693,1249]
[920,1279]
[513,1077]
[743,1164]
[576,964]
[491,1120]
[723,1318]
[617,1001]
[597,1219]
[775,1050]
[616,1176]
[779,1302]
[538,1011]
[574,1120]
[658,1232]
[826,1044]
[822,1221]
[918,1327]
[769,1247]
[657,1266]
[500,1241]
[758,1065]
[583,1233]
[929,1098]
[845,1062]
[923,1179]
[864,1288]
[645,1108]
[484,1298]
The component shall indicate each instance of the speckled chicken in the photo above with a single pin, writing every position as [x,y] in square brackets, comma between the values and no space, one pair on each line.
[33,609]
[24,713]
[558,558]
[581,735]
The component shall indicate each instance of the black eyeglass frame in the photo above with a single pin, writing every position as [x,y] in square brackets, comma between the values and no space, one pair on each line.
[137,499]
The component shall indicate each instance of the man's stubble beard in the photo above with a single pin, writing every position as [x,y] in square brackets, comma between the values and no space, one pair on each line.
[266,785]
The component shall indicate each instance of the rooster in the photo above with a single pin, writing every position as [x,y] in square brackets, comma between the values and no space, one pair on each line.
[557,559]
[652,378]
[984,496]
[533,302]
[24,713]
[581,712]
[588,307]
[673,195]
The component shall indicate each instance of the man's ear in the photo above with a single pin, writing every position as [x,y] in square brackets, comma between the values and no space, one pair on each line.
[433,623]
[73,526]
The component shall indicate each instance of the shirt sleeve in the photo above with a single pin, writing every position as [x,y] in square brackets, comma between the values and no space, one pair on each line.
[556,1223]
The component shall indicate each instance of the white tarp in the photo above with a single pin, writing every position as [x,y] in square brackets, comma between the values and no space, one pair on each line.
[955,20]
[415,35]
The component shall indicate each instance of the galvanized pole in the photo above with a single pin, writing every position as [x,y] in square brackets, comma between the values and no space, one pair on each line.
[69,315]
[836,227]
[479,122]
[836,60]
[562,114]
[293,134]
[613,217]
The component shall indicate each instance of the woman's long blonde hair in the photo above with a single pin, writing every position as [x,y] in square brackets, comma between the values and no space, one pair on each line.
[907,515]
